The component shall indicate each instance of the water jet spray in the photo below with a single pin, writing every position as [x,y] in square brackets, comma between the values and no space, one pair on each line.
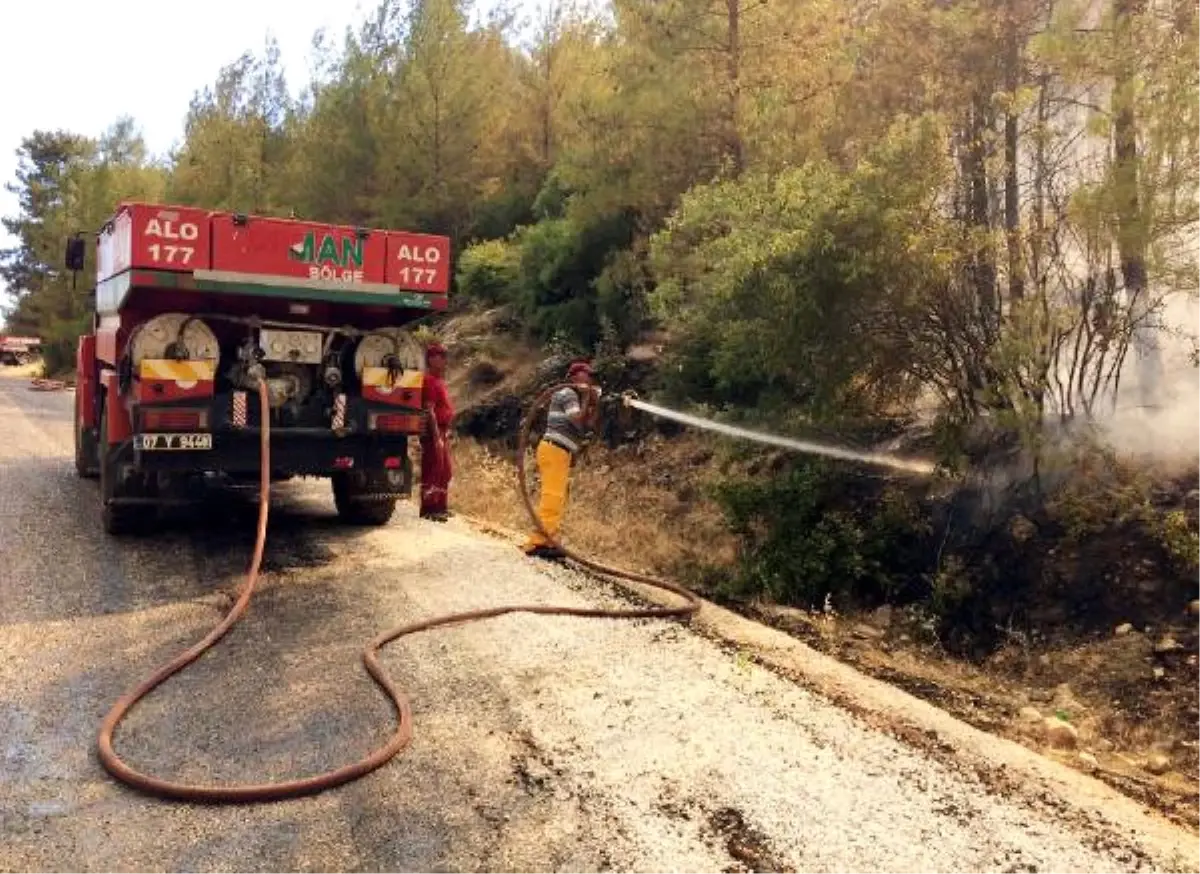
[805,446]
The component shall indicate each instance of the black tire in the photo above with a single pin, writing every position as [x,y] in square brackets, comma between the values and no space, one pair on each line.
[87,463]
[117,519]
[353,505]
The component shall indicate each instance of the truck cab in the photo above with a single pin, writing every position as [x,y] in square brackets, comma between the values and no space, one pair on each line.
[195,308]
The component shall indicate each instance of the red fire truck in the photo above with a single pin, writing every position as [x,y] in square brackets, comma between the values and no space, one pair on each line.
[195,308]
[19,350]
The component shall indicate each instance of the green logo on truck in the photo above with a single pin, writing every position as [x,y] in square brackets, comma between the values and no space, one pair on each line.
[327,259]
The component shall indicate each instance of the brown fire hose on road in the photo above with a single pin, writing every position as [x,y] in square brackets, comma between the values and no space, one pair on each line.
[39,384]
[260,792]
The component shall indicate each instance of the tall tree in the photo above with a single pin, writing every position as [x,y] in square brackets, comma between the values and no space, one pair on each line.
[1131,211]
[436,108]
[332,174]
[67,184]
[235,140]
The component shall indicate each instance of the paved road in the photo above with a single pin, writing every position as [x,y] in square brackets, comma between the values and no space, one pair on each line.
[540,743]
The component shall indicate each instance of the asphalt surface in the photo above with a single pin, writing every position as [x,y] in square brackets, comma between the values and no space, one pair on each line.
[540,744]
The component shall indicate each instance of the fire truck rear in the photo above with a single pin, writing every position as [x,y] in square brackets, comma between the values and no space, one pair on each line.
[195,308]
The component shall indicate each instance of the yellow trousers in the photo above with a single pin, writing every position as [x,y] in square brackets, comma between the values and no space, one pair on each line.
[554,467]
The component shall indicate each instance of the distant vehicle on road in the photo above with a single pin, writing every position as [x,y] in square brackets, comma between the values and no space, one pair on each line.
[16,351]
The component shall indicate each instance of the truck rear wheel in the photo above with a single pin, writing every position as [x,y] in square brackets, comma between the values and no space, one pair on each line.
[359,501]
[118,519]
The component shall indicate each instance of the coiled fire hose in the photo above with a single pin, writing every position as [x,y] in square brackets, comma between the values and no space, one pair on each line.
[246,793]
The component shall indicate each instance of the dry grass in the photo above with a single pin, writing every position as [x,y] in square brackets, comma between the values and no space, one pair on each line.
[22,371]
[484,486]
[645,515]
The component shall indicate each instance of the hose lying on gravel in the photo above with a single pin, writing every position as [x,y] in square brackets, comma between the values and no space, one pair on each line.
[38,384]
[259,792]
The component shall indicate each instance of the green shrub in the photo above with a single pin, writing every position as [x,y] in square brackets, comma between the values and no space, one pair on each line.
[811,532]
[487,272]
[1180,541]
[810,287]
[566,275]
[499,215]
[559,264]
[60,341]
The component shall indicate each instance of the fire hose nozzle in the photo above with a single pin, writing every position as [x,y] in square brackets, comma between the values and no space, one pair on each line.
[628,395]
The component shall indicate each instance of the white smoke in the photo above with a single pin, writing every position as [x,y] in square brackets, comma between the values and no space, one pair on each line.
[1156,416]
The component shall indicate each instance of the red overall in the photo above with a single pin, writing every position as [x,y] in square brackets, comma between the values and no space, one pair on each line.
[435,454]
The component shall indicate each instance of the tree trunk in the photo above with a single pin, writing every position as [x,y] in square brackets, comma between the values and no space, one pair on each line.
[736,148]
[1131,237]
[551,33]
[978,214]
[1012,195]
[1037,246]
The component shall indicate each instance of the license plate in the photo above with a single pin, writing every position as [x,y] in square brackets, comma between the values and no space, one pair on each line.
[164,442]
[302,347]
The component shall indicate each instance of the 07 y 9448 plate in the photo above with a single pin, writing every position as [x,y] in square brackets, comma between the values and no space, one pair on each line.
[157,442]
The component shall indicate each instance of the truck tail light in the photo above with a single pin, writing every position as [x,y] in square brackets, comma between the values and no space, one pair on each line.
[174,420]
[396,423]
[392,463]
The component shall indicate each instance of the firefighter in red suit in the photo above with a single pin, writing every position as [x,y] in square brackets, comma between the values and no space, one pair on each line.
[435,445]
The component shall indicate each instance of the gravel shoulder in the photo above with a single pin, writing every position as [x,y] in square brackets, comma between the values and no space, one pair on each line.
[541,743]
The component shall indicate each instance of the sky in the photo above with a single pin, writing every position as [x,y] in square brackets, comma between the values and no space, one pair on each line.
[80,64]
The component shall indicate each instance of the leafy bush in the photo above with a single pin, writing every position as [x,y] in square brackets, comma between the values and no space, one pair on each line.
[621,295]
[1096,543]
[567,274]
[1097,498]
[559,265]
[487,271]
[498,216]
[553,199]
[1181,542]
[798,287]
[809,533]
[60,341]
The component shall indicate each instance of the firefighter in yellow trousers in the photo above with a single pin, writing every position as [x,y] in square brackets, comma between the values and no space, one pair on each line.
[571,413]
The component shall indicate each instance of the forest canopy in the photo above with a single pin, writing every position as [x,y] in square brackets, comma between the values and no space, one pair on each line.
[833,206]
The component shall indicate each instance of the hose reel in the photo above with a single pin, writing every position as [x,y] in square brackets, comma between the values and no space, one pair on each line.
[393,348]
[177,336]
